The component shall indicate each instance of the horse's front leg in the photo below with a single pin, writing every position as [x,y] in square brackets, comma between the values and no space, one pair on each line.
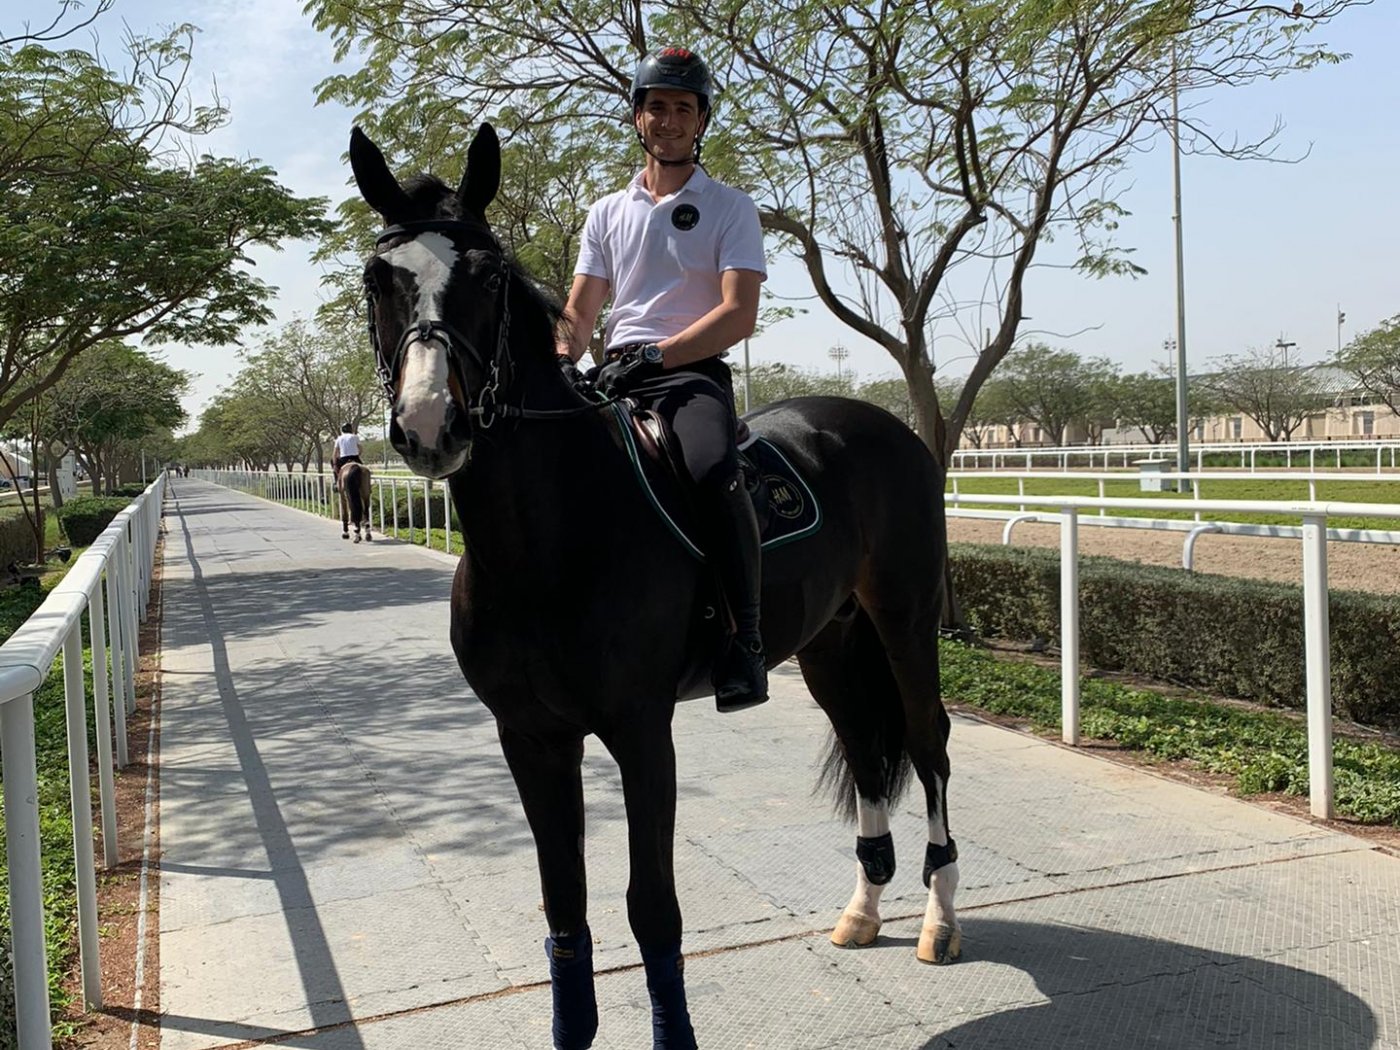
[547,774]
[344,518]
[646,758]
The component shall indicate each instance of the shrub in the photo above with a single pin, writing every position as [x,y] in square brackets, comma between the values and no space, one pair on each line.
[84,517]
[130,490]
[1236,637]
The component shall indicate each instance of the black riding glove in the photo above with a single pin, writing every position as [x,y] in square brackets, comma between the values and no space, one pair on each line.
[617,377]
[572,375]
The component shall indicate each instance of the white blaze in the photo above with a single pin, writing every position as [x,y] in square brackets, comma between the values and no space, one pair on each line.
[424,394]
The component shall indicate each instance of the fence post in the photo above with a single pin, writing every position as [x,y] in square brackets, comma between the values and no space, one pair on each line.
[26,882]
[428,513]
[1317,639]
[117,649]
[1069,625]
[80,793]
[102,714]
[447,516]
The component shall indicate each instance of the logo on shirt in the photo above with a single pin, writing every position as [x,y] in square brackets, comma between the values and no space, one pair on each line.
[685,217]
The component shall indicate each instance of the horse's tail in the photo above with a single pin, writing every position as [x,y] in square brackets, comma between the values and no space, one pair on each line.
[352,481]
[885,733]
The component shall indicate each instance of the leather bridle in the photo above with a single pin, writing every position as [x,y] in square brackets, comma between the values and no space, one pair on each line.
[487,407]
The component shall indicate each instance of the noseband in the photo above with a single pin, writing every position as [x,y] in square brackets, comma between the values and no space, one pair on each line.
[486,409]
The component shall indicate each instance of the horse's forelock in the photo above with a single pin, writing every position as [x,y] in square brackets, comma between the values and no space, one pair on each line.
[432,198]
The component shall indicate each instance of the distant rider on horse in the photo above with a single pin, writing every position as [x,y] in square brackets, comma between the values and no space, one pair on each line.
[682,257]
[346,450]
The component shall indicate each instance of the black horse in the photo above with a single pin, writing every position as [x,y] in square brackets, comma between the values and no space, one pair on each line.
[575,610]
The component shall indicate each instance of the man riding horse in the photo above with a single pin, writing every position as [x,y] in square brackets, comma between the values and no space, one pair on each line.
[682,257]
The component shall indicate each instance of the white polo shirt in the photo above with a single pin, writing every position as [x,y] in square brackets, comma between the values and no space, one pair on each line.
[346,445]
[664,258]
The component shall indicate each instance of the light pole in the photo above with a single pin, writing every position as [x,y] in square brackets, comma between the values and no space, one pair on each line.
[1341,318]
[838,353]
[1284,345]
[1183,452]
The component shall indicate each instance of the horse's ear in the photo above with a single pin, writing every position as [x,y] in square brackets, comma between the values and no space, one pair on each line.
[482,178]
[377,184]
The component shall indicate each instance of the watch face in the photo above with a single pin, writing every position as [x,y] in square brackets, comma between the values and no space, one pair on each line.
[652,354]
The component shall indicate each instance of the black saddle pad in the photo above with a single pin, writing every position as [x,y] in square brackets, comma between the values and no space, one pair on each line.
[784,503]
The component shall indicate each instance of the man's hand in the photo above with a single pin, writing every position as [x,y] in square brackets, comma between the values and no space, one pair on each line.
[617,377]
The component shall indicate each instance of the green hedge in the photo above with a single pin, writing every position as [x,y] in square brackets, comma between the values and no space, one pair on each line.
[16,537]
[84,517]
[1235,637]
[130,490]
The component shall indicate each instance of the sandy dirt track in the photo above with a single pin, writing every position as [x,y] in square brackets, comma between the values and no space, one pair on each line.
[1350,566]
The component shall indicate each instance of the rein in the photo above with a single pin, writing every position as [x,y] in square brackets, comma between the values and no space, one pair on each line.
[488,406]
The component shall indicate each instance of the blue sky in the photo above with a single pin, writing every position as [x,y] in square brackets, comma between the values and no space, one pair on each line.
[1271,249]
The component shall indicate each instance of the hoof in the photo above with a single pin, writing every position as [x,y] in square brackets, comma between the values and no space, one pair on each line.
[345,535]
[855,931]
[940,944]
[357,539]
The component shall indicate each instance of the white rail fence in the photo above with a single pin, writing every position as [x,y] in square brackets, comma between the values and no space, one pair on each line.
[111,583]
[959,499]
[1313,530]
[312,492]
[1385,452]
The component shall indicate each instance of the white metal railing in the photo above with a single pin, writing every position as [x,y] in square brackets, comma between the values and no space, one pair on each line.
[1317,637]
[311,491]
[111,583]
[1126,455]
[958,501]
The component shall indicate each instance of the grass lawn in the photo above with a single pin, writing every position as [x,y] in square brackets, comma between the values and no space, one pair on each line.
[1365,489]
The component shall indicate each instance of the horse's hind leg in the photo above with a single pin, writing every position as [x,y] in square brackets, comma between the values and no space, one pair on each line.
[908,626]
[344,517]
[846,671]
[646,758]
[547,774]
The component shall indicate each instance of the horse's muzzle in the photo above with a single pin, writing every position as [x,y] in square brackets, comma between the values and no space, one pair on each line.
[439,460]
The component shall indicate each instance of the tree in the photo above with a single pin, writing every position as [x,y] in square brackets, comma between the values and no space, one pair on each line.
[1374,358]
[1055,388]
[904,150]
[993,408]
[1147,401]
[890,394]
[109,232]
[1266,387]
[106,403]
[769,382]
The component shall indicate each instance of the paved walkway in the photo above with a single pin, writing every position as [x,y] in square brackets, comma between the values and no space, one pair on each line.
[345,865]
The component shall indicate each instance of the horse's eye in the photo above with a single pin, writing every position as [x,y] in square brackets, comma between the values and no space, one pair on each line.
[375,277]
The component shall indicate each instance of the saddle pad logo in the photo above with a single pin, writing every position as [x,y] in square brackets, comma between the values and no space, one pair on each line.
[685,217]
[784,499]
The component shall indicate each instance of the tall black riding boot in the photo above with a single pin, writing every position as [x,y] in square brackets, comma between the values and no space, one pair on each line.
[740,677]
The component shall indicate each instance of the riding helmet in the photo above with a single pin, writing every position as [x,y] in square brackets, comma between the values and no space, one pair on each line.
[673,67]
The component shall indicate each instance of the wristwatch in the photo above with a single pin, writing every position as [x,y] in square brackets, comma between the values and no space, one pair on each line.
[651,354]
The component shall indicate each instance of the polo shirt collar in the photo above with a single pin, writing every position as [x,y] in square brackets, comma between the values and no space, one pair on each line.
[697,183]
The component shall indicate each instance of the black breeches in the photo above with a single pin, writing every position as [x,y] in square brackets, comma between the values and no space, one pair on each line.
[698,402]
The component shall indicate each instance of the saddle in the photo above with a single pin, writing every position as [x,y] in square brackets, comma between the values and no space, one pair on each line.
[786,508]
